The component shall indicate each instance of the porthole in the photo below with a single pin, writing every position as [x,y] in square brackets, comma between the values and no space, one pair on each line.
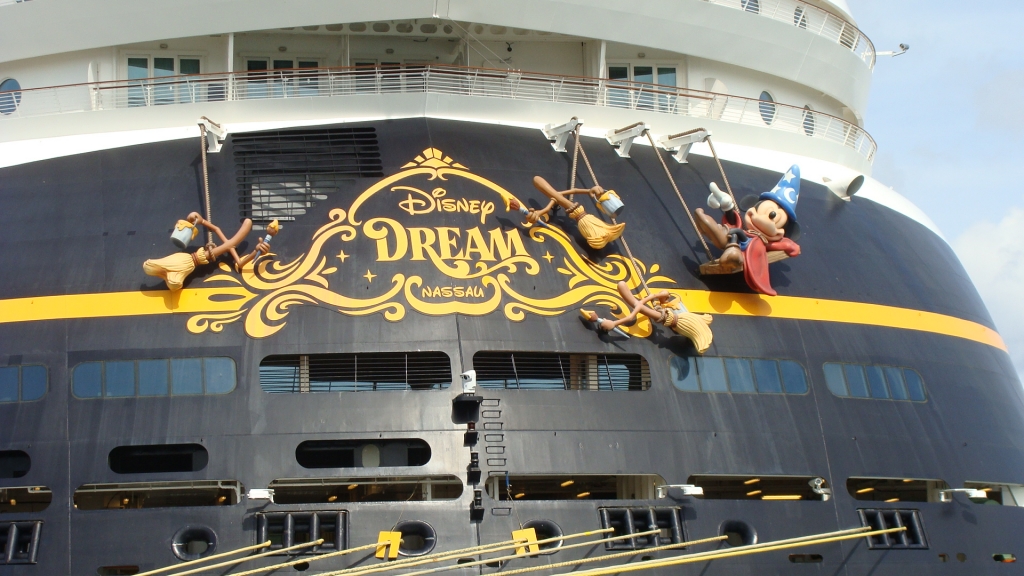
[738,533]
[418,538]
[357,27]
[403,27]
[194,542]
[546,530]
[381,27]
[428,28]
[767,107]
[808,121]
[10,96]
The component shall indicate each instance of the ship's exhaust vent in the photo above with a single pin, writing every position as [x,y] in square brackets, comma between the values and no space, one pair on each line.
[896,489]
[286,529]
[761,487]
[362,453]
[158,494]
[158,458]
[365,489]
[281,174]
[626,521]
[574,486]
[912,538]
[24,499]
[363,372]
[561,371]
[19,542]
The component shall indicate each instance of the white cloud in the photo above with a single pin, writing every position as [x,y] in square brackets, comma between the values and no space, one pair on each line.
[993,254]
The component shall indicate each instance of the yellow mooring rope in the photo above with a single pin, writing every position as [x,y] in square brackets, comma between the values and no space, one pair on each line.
[248,558]
[204,560]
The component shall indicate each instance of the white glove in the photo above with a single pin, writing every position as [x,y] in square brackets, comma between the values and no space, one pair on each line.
[719,199]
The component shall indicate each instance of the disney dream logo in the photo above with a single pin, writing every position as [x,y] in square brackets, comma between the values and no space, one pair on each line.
[402,228]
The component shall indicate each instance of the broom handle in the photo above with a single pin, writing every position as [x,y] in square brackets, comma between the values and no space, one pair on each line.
[549,191]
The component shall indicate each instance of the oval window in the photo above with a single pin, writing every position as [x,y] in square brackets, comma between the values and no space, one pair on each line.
[808,121]
[10,96]
[767,107]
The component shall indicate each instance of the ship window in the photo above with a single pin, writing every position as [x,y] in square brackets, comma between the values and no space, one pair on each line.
[10,96]
[281,174]
[136,495]
[738,375]
[872,381]
[365,489]
[363,372]
[800,17]
[751,5]
[573,486]
[761,487]
[808,121]
[158,458]
[131,378]
[561,371]
[14,463]
[1000,493]
[766,105]
[22,383]
[895,489]
[362,453]
[24,499]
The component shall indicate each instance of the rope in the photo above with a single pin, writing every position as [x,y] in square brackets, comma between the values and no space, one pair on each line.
[526,554]
[306,559]
[206,182]
[738,551]
[248,558]
[207,559]
[679,194]
[611,556]
[475,550]
[593,176]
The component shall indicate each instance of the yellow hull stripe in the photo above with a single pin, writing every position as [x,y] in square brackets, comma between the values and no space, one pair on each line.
[198,300]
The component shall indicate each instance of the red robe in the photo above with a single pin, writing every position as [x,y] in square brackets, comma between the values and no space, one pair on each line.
[755,255]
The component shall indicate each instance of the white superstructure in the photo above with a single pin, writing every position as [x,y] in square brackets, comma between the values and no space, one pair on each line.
[769,78]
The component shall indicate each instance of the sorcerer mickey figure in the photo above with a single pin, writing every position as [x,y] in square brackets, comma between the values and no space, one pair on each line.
[767,224]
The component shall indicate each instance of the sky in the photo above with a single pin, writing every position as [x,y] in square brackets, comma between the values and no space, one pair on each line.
[948,117]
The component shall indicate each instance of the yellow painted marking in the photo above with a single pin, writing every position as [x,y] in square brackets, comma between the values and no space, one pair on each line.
[530,536]
[388,543]
[111,304]
[799,308]
[369,276]
[229,299]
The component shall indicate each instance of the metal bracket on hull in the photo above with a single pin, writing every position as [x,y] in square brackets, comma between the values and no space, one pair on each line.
[560,134]
[623,137]
[680,144]
[215,134]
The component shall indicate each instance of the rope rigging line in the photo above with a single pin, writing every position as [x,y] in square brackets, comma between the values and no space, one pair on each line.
[206,182]
[527,553]
[475,550]
[725,178]
[249,558]
[612,556]
[689,214]
[824,538]
[306,559]
[207,559]
[578,147]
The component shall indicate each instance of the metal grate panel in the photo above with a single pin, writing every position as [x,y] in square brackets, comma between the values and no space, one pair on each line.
[561,371]
[280,174]
[363,372]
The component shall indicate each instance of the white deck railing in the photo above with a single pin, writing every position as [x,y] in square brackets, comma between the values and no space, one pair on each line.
[480,82]
[813,19]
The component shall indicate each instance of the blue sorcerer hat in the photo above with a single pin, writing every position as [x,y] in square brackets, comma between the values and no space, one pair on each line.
[786,192]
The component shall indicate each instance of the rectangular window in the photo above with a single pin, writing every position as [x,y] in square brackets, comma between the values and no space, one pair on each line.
[895,489]
[176,494]
[154,377]
[574,486]
[365,489]
[24,499]
[738,375]
[363,372]
[878,382]
[761,487]
[9,378]
[554,371]
[1000,493]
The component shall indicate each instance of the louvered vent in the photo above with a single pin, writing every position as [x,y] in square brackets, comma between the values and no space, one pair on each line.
[376,371]
[553,371]
[282,173]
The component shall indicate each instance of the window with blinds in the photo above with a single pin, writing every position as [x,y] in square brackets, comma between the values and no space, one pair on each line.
[561,371]
[362,372]
[282,173]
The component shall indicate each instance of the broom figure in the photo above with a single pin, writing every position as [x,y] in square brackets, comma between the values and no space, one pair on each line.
[597,232]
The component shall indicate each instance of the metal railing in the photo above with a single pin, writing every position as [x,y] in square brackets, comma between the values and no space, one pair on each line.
[6,2]
[453,80]
[813,19]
